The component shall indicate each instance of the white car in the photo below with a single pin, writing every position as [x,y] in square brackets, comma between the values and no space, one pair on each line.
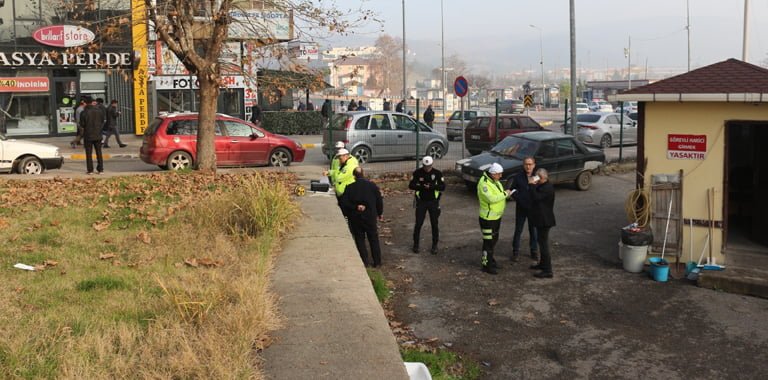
[28,157]
[581,108]
[600,106]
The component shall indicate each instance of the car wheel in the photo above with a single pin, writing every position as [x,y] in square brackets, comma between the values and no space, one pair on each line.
[435,150]
[362,154]
[179,160]
[280,157]
[30,165]
[584,180]
[605,141]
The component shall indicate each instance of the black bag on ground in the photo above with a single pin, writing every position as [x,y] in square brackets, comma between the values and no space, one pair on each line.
[638,238]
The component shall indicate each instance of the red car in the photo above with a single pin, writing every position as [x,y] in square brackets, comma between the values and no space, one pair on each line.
[170,142]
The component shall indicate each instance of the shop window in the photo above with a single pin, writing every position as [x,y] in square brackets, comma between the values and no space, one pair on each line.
[25,114]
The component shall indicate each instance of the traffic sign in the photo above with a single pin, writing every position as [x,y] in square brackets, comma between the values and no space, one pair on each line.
[460,86]
[528,101]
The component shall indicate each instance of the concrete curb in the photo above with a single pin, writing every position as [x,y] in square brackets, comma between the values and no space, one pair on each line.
[81,156]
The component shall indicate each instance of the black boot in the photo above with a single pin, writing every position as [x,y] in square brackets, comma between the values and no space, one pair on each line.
[415,248]
[434,249]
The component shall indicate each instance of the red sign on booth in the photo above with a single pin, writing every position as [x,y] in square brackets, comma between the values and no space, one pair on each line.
[686,147]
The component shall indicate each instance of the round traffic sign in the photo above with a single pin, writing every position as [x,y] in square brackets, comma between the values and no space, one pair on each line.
[460,86]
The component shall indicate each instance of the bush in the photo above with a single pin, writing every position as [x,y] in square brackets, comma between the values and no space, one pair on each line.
[293,122]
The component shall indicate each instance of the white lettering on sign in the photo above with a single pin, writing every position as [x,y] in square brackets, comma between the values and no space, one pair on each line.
[16,59]
[685,155]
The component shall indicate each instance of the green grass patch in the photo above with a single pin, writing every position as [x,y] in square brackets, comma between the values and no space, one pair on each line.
[443,365]
[99,283]
[379,285]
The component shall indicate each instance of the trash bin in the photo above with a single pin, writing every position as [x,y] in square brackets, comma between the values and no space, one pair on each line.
[633,257]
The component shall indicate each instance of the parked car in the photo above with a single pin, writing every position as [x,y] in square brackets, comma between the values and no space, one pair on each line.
[373,135]
[629,107]
[453,127]
[603,129]
[565,158]
[511,106]
[170,142]
[581,108]
[600,106]
[28,157]
[480,134]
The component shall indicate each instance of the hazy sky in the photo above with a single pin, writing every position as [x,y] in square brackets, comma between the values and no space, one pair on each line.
[496,34]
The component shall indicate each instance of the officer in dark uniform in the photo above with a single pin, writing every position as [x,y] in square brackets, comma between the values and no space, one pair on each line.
[428,183]
[363,205]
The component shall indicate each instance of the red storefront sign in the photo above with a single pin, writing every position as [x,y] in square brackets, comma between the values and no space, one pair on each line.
[24,84]
[686,147]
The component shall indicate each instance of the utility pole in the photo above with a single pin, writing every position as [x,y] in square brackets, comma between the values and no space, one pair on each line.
[541,60]
[405,104]
[745,48]
[628,56]
[442,47]
[573,66]
[688,28]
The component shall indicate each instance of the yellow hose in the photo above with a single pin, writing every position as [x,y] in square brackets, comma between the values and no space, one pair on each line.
[638,207]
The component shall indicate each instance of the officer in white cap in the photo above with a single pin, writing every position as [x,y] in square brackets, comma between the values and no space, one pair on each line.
[493,199]
[428,184]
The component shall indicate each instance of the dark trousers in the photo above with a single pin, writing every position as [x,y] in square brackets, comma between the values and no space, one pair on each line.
[90,146]
[366,227]
[546,258]
[422,207]
[490,230]
[112,131]
[521,214]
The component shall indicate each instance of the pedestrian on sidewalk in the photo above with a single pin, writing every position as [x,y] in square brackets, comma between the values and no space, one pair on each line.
[113,112]
[523,204]
[429,116]
[92,123]
[543,218]
[364,206]
[79,135]
[428,184]
[493,199]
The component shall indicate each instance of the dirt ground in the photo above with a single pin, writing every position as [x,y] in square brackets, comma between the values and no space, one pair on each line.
[593,320]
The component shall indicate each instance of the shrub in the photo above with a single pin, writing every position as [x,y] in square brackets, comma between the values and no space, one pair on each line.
[293,122]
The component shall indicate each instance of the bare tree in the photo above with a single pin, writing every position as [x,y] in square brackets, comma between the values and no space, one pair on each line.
[196,30]
[387,66]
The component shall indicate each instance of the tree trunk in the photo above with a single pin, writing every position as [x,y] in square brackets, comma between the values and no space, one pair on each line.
[206,149]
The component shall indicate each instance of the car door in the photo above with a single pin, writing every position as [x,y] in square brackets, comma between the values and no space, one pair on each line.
[546,157]
[630,130]
[246,145]
[380,135]
[570,160]
[611,126]
[405,136]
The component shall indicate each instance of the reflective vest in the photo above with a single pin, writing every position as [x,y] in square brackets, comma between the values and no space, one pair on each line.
[492,197]
[345,175]
[334,169]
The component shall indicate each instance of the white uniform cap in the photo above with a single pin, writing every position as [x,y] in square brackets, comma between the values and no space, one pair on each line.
[495,169]
[339,144]
[342,152]
[427,161]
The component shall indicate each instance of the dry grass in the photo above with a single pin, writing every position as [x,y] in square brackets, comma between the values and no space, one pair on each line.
[175,285]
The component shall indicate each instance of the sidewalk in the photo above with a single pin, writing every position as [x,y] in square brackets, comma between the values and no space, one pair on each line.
[334,326]
[133,143]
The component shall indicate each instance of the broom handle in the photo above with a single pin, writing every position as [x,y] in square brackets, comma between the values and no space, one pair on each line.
[710,211]
[666,229]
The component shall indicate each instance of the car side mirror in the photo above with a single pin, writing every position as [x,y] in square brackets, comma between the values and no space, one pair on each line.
[254,136]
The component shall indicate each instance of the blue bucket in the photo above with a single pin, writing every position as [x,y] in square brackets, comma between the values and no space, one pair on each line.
[659,269]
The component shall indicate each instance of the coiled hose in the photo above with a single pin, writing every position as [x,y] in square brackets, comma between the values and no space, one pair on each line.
[638,207]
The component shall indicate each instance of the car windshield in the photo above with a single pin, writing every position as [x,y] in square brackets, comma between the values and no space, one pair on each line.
[516,147]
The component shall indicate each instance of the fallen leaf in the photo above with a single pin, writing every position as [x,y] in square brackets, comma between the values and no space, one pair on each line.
[432,340]
[208,262]
[50,263]
[493,302]
[55,223]
[105,256]
[529,316]
[412,306]
[102,225]
[564,321]
[476,322]
[144,237]
[191,262]
[387,242]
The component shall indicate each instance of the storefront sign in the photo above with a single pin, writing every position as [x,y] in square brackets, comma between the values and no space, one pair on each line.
[686,147]
[252,24]
[140,74]
[24,84]
[63,35]
[184,82]
[18,58]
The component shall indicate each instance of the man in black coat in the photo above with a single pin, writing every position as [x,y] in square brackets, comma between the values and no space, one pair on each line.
[92,123]
[112,114]
[256,115]
[543,218]
[400,106]
[523,203]
[429,116]
[363,205]
[387,105]
[428,183]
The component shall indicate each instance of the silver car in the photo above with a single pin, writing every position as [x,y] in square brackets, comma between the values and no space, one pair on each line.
[453,128]
[604,129]
[373,135]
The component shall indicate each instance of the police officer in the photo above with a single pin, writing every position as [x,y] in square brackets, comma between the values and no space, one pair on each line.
[493,200]
[344,175]
[428,184]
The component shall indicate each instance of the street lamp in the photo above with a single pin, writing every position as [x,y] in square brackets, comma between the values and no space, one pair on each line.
[628,56]
[405,104]
[541,60]
[442,47]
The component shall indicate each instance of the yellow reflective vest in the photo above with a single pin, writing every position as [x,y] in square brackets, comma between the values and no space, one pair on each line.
[344,175]
[492,197]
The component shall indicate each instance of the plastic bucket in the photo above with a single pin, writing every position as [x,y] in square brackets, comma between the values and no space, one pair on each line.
[659,269]
[633,257]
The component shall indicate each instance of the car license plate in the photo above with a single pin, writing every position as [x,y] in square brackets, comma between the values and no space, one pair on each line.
[475,137]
